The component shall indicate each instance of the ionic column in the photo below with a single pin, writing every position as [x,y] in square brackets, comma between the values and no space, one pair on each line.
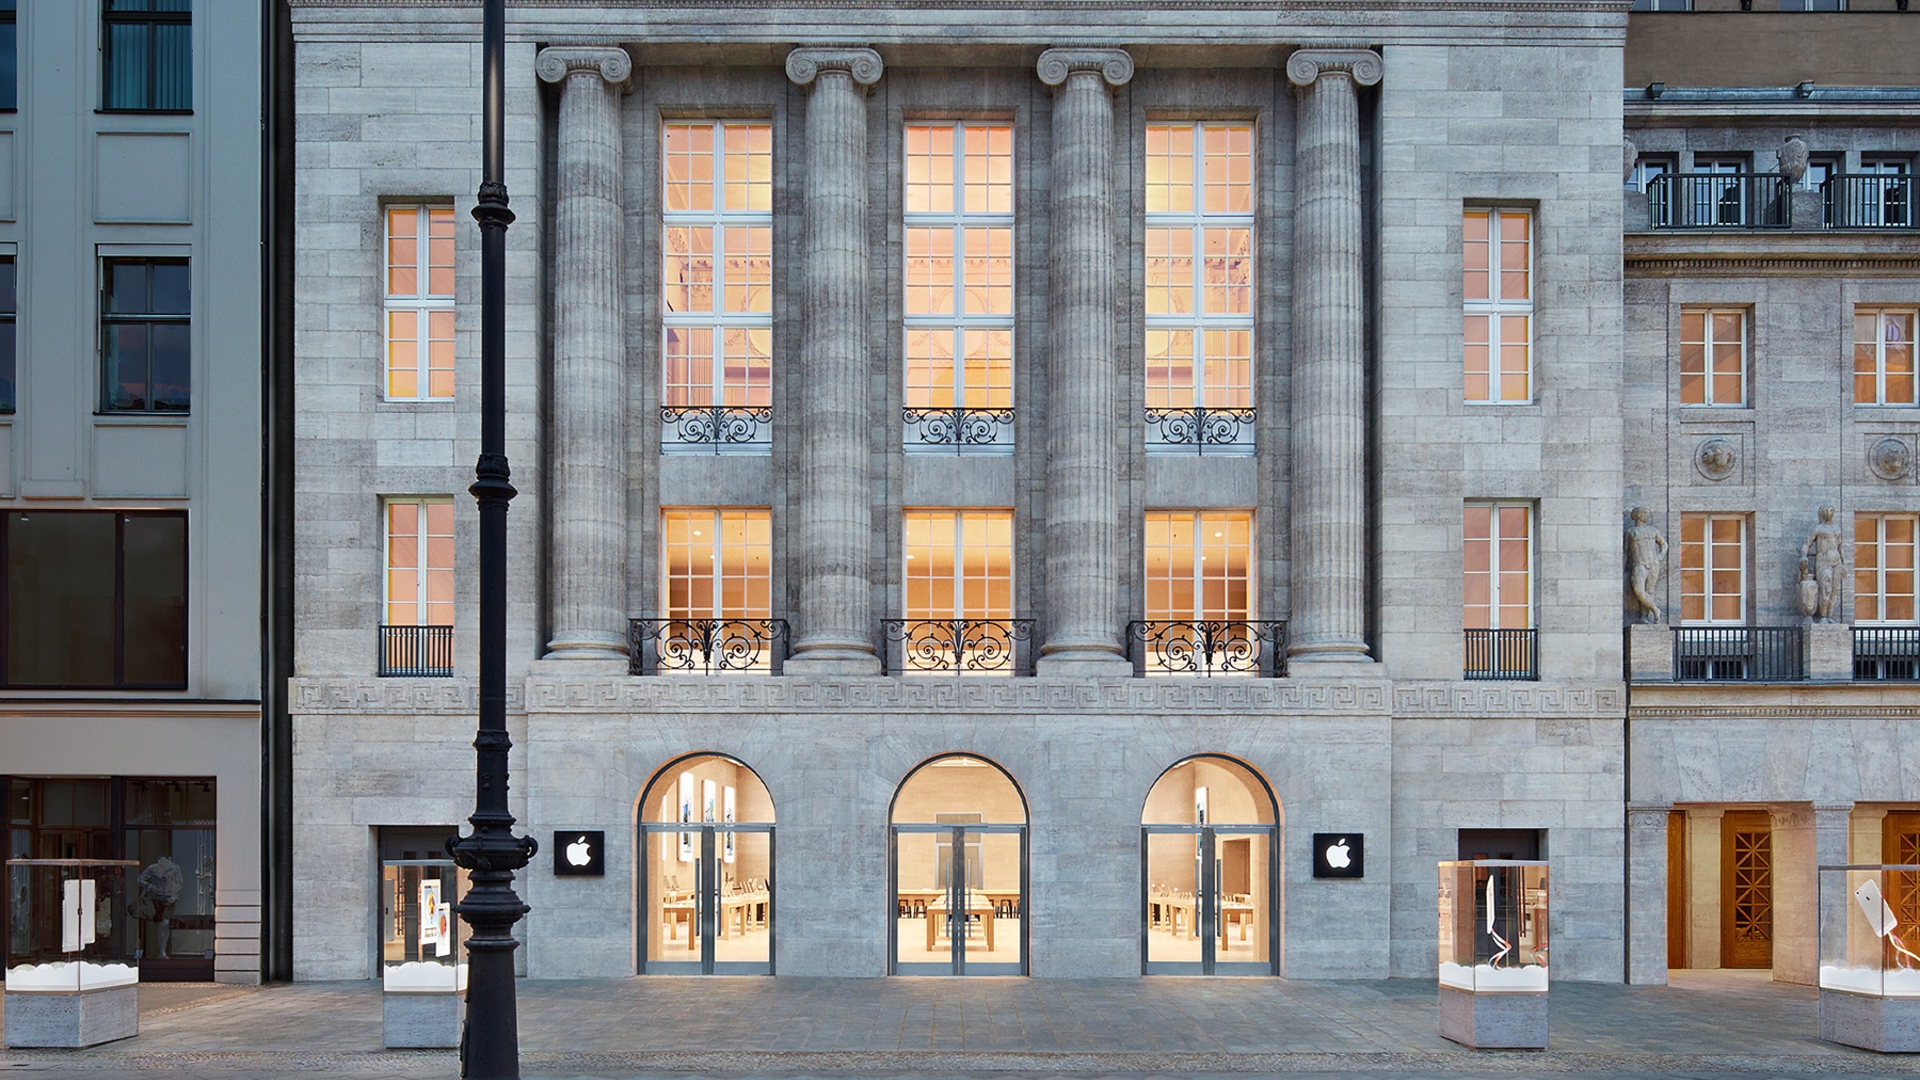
[1329,510]
[835,529]
[588,585]
[1083,476]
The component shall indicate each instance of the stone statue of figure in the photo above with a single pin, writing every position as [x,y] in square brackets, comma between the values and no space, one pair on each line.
[1646,558]
[1823,547]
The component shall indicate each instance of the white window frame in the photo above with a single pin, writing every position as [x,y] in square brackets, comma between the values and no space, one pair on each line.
[1495,309]
[1709,567]
[1197,320]
[1493,561]
[419,602]
[1198,581]
[1878,312]
[1879,570]
[718,578]
[958,514]
[719,320]
[422,303]
[960,321]
[1707,343]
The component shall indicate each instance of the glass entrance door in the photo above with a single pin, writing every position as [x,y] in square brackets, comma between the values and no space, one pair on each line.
[960,899]
[707,900]
[1208,900]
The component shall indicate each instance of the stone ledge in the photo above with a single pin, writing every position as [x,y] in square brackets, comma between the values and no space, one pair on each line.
[1514,699]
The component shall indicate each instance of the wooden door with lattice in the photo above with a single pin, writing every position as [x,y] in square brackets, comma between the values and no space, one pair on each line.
[1746,890]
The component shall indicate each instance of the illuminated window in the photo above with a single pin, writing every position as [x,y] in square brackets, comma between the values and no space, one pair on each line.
[419,562]
[1199,288]
[1713,568]
[959,286]
[420,303]
[1883,567]
[716,285]
[1883,357]
[959,564]
[1497,560]
[1713,357]
[1499,305]
[717,563]
[1199,565]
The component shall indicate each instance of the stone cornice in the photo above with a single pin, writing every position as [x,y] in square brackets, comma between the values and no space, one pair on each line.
[1656,264]
[1113,65]
[1517,700]
[1307,65]
[863,65]
[556,62]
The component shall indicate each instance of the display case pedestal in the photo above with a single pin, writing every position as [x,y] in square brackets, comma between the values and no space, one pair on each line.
[1888,1025]
[72,1019]
[1493,1021]
[422,1021]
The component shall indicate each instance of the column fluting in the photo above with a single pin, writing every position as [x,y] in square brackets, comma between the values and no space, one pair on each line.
[588,583]
[1328,520]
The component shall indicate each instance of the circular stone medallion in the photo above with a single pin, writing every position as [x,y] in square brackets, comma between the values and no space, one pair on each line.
[1716,458]
[1890,459]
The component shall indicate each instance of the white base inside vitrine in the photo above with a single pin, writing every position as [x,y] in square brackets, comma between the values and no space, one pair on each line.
[422,1019]
[72,1018]
[70,976]
[1893,983]
[1887,1024]
[423,977]
[1487,979]
[1495,1021]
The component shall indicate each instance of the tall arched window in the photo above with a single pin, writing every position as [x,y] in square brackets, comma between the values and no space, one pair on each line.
[706,882]
[1210,849]
[958,866]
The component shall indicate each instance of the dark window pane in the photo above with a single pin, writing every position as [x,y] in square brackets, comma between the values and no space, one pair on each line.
[129,5]
[7,291]
[9,65]
[156,600]
[170,361]
[60,571]
[126,288]
[127,366]
[127,60]
[171,290]
[173,66]
[173,5]
[7,400]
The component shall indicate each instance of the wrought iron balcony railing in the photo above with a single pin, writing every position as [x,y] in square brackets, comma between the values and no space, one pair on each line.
[416,652]
[716,429]
[661,646]
[1208,647]
[1738,654]
[958,430]
[1886,653]
[1869,202]
[1720,201]
[959,646]
[1199,430]
[1503,654]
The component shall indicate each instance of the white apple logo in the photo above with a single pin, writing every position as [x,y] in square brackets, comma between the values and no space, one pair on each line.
[580,854]
[1337,854]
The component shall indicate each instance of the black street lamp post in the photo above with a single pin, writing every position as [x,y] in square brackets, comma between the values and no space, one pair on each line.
[490,1045]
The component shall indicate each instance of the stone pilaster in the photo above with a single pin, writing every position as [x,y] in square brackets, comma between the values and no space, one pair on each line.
[1329,496]
[1647,873]
[835,527]
[1084,620]
[588,586]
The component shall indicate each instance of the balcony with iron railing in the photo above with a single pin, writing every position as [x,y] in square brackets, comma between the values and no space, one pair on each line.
[1254,648]
[1199,430]
[1502,654]
[658,645]
[1886,653]
[1868,202]
[958,646]
[1738,654]
[416,652]
[1720,201]
[958,430]
[716,429]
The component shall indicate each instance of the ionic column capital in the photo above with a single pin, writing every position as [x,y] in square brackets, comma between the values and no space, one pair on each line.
[1113,65]
[556,62]
[863,65]
[1307,65]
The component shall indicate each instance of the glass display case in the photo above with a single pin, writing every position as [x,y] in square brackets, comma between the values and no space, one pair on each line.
[1493,952]
[422,950]
[1870,956]
[73,972]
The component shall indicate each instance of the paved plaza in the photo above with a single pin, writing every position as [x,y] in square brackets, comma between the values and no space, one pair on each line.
[1706,1025]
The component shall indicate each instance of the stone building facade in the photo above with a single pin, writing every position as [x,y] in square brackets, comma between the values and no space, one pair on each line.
[1442,547]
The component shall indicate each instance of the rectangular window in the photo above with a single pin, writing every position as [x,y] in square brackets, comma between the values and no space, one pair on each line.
[9,55]
[1648,168]
[1497,248]
[420,562]
[1883,371]
[1661,5]
[147,55]
[1713,569]
[1713,357]
[1199,565]
[9,305]
[1497,560]
[717,286]
[1883,567]
[97,599]
[419,303]
[959,286]
[145,333]
[959,564]
[717,563]
[1199,288]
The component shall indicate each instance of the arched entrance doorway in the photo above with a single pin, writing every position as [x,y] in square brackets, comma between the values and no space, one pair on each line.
[957,869]
[706,870]
[1210,871]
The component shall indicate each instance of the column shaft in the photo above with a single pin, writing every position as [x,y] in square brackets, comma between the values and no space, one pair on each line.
[589,528]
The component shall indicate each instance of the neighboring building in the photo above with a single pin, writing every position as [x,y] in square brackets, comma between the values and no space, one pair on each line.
[1772,287]
[131,346]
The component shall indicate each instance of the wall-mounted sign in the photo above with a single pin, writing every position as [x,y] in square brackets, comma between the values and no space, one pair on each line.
[579,853]
[1339,855]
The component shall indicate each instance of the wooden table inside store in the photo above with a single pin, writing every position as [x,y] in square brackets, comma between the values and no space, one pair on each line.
[982,903]
[1178,910]
[748,909]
